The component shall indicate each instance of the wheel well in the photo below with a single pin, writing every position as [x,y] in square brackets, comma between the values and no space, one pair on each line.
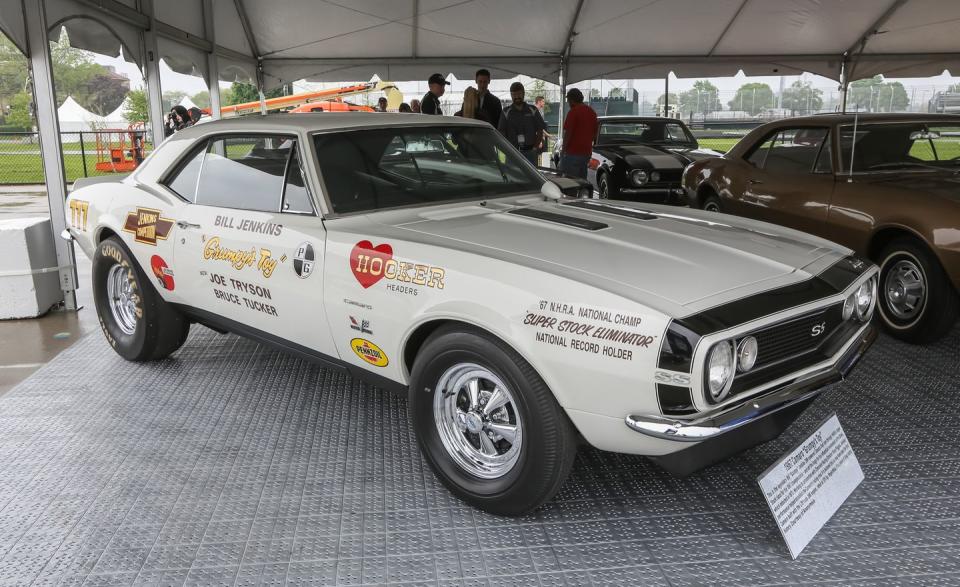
[886,236]
[420,336]
[104,234]
[705,191]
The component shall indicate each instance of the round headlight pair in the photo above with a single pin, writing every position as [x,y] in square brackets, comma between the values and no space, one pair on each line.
[860,302]
[639,177]
[724,360]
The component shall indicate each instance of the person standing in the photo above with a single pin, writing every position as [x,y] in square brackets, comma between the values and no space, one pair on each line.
[579,132]
[489,104]
[415,106]
[382,104]
[522,124]
[431,100]
[541,103]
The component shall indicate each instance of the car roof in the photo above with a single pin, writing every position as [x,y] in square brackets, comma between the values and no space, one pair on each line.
[629,118]
[873,117]
[321,121]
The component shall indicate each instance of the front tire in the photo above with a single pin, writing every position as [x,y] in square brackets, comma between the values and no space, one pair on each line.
[487,424]
[604,187]
[135,320]
[917,302]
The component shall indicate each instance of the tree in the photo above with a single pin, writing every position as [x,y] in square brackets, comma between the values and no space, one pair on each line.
[20,115]
[752,98]
[875,95]
[201,99]
[673,99]
[615,93]
[594,93]
[137,107]
[171,98]
[801,96]
[703,98]
[241,93]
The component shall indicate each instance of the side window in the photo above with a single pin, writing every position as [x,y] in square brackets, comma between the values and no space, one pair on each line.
[795,150]
[296,198]
[759,155]
[675,133]
[245,172]
[184,180]
[825,159]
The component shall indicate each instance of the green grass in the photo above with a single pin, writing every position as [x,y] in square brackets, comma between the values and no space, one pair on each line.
[28,169]
[718,144]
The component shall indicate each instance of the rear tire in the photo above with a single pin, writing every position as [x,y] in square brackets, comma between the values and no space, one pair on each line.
[507,460]
[136,321]
[917,302]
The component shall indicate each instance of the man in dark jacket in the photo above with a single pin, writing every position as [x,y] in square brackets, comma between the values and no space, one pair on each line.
[431,100]
[522,124]
[489,104]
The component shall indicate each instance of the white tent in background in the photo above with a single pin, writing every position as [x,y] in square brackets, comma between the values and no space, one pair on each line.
[187,103]
[74,118]
[116,119]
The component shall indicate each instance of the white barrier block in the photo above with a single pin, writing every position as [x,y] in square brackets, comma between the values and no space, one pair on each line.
[29,280]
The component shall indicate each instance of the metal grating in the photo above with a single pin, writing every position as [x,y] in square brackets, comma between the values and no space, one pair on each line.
[235,464]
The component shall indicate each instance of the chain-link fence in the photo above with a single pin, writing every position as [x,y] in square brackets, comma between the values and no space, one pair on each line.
[85,154]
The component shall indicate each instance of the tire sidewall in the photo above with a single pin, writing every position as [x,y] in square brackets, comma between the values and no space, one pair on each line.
[603,179]
[712,200]
[470,348]
[109,253]
[890,258]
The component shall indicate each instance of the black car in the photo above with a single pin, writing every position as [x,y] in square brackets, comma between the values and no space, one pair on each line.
[642,158]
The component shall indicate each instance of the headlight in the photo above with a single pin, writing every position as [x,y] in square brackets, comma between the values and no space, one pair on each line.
[747,354]
[721,363]
[848,305]
[638,176]
[863,299]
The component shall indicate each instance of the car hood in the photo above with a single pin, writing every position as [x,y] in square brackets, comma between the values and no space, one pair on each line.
[656,157]
[675,261]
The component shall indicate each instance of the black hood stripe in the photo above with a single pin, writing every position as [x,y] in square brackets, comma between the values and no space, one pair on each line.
[612,209]
[584,223]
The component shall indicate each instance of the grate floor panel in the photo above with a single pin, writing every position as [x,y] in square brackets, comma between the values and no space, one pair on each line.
[234,464]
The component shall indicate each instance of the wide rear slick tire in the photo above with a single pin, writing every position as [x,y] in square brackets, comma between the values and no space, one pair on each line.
[523,467]
[916,301]
[136,321]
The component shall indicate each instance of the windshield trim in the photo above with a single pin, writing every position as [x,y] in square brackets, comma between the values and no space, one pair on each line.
[691,140]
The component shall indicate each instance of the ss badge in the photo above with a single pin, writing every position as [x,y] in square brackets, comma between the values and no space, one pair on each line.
[818,329]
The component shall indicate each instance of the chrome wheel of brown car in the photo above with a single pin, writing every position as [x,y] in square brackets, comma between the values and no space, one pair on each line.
[905,288]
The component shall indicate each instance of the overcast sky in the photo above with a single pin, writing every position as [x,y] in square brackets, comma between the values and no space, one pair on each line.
[171,80]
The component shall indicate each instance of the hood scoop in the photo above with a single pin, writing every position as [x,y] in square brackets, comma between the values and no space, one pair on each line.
[612,209]
[574,221]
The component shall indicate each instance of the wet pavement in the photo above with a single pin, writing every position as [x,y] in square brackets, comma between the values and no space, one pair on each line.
[26,345]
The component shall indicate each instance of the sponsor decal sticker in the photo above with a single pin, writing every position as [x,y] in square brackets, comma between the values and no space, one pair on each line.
[360,325]
[78,214]
[163,273]
[370,264]
[147,226]
[247,225]
[369,352]
[260,258]
[303,260]
[589,329]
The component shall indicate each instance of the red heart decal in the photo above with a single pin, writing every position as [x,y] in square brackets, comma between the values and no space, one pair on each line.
[363,264]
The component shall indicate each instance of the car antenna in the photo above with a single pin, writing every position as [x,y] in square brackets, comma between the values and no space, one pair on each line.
[853,143]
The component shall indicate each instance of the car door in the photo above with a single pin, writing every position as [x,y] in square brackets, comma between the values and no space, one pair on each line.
[251,246]
[790,180]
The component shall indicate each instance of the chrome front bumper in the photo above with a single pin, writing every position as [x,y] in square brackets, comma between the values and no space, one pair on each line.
[787,395]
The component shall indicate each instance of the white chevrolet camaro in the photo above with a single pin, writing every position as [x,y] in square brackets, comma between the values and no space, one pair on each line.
[425,254]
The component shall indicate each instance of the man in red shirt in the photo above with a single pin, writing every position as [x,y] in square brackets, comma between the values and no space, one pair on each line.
[579,131]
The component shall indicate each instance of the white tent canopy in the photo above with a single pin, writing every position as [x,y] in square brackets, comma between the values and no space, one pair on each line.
[75,118]
[410,39]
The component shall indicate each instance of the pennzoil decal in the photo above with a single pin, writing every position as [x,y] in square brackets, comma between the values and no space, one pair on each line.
[147,227]
[369,352]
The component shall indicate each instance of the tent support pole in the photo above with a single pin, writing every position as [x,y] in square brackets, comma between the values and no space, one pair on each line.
[213,66]
[666,95]
[38,50]
[151,66]
[263,99]
[563,99]
[844,84]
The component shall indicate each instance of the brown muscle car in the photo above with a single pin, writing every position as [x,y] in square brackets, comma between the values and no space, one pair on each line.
[885,185]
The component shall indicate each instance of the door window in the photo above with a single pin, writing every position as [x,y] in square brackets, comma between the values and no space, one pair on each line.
[759,154]
[795,150]
[245,172]
[296,198]
[184,180]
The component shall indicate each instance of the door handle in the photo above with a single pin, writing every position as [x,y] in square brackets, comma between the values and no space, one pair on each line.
[754,181]
[185,225]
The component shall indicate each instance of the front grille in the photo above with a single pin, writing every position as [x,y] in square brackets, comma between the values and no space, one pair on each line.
[789,339]
[790,346]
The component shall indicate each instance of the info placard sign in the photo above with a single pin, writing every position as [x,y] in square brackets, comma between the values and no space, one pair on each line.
[810,483]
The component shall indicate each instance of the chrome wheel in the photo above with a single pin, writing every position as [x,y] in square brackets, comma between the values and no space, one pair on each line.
[478,421]
[122,299]
[905,289]
[604,187]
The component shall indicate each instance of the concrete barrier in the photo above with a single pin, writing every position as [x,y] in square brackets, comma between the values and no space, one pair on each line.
[29,282]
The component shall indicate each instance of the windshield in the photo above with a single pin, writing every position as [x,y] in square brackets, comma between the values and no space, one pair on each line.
[367,170]
[892,146]
[646,132]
